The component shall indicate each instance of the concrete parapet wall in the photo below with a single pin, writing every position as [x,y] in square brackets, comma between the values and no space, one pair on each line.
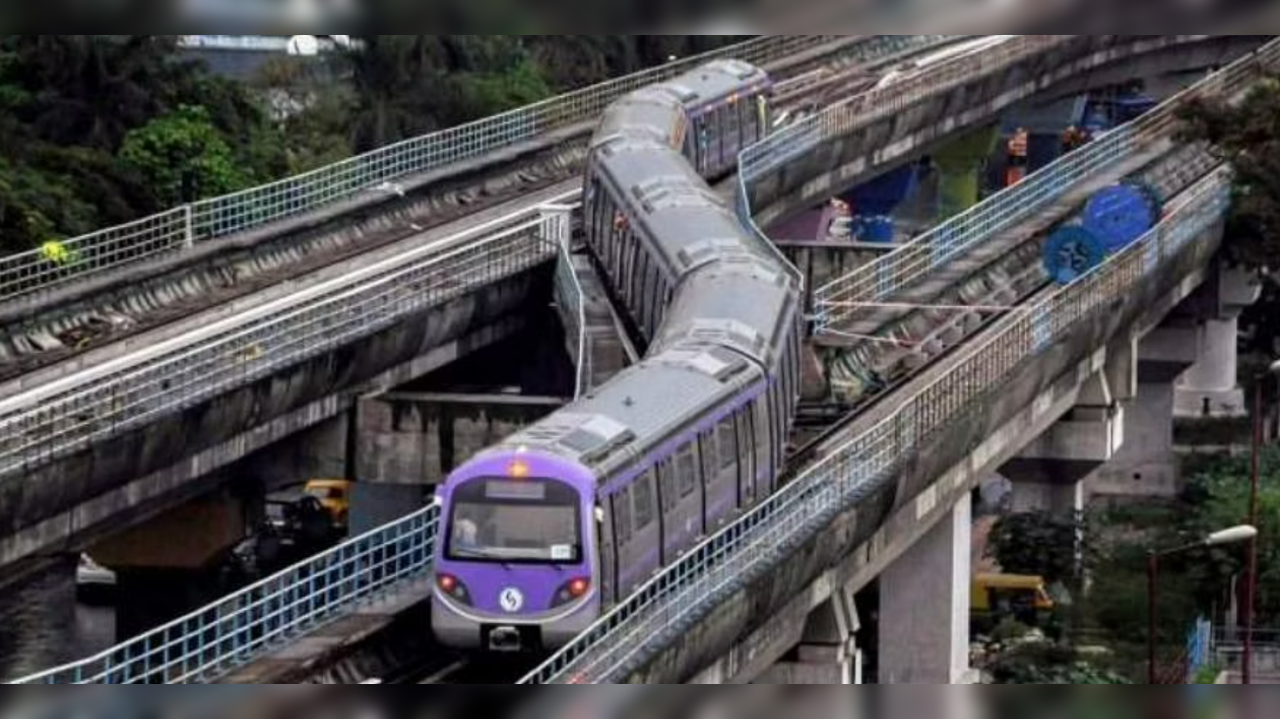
[420,438]
[106,486]
[870,150]
[859,537]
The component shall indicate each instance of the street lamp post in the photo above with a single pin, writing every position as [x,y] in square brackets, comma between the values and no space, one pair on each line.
[1235,535]
[1255,485]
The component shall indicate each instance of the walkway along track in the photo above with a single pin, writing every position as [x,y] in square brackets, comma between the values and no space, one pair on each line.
[87,327]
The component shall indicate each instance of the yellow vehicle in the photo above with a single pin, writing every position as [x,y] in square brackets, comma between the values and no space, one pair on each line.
[334,496]
[998,596]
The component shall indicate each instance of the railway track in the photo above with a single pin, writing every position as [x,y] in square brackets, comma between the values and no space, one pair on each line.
[1031,285]
[91,330]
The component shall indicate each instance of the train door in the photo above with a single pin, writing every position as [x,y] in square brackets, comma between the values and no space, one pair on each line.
[703,135]
[635,284]
[623,527]
[608,533]
[646,556]
[651,299]
[601,215]
[776,431]
[726,498]
[731,132]
[764,444]
[746,459]
[684,522]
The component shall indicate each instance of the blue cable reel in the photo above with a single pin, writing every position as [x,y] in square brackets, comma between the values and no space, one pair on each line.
[1072,252]
[1120,215]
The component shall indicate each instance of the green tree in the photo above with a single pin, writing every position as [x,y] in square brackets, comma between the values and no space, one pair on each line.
[1248,136]
[1218,498]
[407,85]
[1039,544]
[1049,664]
[183,157]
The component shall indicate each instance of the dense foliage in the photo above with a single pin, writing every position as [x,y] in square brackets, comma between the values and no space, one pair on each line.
[1248,135]
[1049,664]
[101,129]
[1040,544]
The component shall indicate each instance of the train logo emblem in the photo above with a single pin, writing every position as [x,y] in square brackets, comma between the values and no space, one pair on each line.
[512,600]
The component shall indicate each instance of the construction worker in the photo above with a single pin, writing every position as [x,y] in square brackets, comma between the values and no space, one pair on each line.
[56,253]
[1073,139]
[1019,145]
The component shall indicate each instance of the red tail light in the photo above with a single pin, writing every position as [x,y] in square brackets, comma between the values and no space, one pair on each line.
[579,588]
[447,583]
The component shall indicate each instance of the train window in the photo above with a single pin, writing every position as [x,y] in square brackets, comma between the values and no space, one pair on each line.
[642,496]
[622,516]
[667,485]
[728,444]
[687,470]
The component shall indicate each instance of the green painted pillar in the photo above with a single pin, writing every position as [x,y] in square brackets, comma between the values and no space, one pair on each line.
[960,166]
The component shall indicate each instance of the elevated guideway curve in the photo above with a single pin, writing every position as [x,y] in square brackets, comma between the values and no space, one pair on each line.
[896,469]
[359,553]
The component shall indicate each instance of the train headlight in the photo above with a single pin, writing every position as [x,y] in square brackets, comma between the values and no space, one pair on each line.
[455,589]
[573,591]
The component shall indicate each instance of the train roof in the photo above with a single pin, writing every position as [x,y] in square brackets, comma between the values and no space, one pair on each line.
[680,217]
[743,301]
[652,112]
[628,417]
[716,81]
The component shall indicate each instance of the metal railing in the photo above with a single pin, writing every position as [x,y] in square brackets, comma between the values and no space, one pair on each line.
[839,301]
[241,211]
[873,105]
[667,605]
[572,303]
[65,416]
[220,638]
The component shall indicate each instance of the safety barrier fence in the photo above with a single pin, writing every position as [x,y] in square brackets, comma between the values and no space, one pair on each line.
[208,644]
[249,209]
[65,416]
[668,605]
[572,303]
[841,300]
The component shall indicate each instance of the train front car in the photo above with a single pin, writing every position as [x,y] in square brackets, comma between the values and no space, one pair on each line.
[517,562]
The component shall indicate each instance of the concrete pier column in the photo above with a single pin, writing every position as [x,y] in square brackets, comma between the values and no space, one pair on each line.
[37,619]
[1052,497]
[828,653]
[924,606]
[960,170]
[1210,387]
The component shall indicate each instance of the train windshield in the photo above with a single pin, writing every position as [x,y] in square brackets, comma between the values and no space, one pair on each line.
[511,522]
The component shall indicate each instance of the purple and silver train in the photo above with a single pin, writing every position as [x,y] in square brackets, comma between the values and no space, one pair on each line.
[543,533]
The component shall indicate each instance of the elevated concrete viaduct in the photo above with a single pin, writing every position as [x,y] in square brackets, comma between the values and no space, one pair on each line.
[756,624]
